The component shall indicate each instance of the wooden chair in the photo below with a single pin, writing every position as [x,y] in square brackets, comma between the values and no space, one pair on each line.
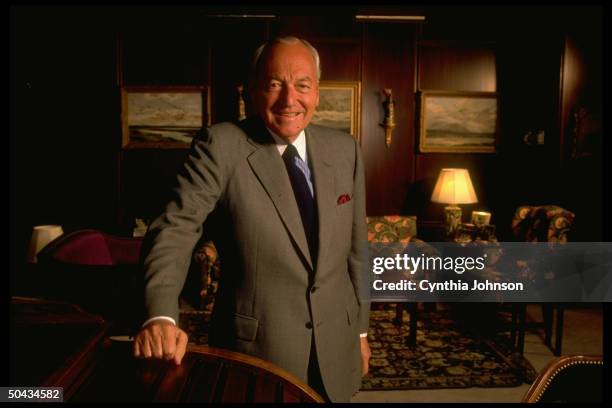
[206,375]
[237,378]
[577,379]
[78,355]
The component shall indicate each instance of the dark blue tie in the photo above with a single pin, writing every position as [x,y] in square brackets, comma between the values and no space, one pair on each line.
[304,198]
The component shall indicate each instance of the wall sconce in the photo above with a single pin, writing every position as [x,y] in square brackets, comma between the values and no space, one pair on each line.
[241,104]
[389,121]
[41,236]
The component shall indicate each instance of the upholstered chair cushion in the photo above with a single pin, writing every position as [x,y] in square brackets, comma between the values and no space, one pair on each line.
[92,247]
[392,228]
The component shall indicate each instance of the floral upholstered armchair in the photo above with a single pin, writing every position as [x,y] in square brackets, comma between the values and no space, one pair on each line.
[389,229]
[552,224]
[548,223]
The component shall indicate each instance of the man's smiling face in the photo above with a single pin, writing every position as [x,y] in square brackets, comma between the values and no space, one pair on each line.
[287,92]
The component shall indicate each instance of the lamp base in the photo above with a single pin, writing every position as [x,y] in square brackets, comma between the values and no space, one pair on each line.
[452,216]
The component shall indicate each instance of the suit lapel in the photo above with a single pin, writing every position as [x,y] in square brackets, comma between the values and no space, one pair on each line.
[269,168]
[324,185]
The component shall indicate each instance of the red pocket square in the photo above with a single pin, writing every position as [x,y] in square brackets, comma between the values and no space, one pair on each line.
[344,198]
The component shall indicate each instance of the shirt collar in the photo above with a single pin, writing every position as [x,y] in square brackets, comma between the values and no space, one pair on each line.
[299,143]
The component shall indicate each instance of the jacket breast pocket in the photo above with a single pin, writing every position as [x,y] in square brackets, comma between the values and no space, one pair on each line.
[345,207]
[245,327]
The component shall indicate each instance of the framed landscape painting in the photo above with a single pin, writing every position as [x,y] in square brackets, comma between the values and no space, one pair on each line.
[458,122]
[339,106]
[163,116]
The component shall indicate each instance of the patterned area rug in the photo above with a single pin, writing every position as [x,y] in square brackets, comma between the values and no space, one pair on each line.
[446,356]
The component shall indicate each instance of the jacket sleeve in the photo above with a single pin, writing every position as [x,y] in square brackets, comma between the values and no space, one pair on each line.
[169,243]
[358,256]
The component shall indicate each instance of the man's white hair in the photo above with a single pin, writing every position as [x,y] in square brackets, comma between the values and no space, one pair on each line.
[285,40]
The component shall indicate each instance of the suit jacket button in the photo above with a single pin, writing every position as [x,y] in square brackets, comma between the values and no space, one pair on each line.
[309,325]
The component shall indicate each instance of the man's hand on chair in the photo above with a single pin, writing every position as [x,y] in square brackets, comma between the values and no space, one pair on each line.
[161,339]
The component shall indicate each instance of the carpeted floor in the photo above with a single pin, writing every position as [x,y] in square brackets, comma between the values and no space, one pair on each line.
[447,354]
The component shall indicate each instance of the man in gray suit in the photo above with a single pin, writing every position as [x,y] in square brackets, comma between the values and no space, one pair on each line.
[291,199]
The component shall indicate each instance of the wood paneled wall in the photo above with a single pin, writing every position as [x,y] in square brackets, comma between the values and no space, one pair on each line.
[68,64]
[454,66]
[388,62]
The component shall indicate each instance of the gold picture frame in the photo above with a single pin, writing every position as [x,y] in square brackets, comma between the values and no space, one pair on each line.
[340,106]
[163,117]
[458,122]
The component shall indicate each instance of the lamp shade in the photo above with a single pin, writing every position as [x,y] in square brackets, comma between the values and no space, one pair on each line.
[454,186]
[41,236]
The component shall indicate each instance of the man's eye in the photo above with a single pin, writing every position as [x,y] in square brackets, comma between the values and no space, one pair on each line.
[274,85]
[303,87]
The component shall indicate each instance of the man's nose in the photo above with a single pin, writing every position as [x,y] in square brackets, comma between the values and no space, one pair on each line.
[287,96]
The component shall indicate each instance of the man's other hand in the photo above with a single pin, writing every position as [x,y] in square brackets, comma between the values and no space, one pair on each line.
[161,339]
[365,355]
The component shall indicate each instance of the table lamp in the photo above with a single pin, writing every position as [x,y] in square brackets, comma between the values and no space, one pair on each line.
[453,187]
[41,236]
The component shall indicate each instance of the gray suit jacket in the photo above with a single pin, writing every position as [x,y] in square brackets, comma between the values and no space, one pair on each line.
[272,297]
